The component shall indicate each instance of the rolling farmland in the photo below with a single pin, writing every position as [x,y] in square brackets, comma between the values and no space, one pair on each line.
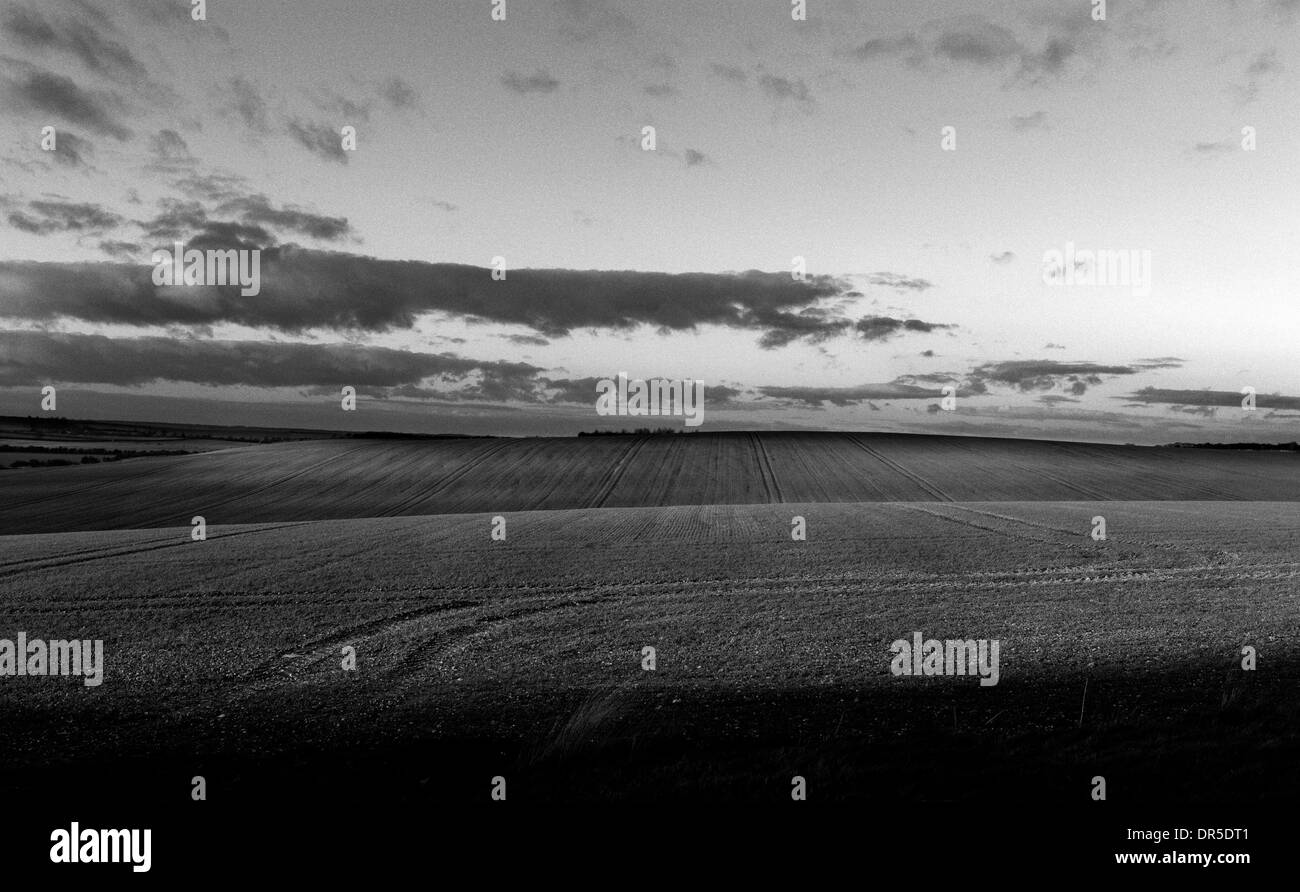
[522,657]
[340,479]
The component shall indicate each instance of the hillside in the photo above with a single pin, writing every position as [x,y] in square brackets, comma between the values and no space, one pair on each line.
[523,657]
[337,479]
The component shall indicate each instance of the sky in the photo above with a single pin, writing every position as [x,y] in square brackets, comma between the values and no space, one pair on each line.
[841,214]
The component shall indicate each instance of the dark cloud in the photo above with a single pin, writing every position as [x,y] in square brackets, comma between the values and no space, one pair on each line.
[319,139]
[538,82]
[846,396]
[1223,398]
[525,340]
[46,93]
[247,221]
[220,234]
[304,289]
[33,357]
[1003,257]
[44,217]
[255,223]
[693,157]
[927,378]
[812,325]
[1042,374]
[1046,374]
[101,56]
[879,328]
[659,91]
[290,218]
[571,390]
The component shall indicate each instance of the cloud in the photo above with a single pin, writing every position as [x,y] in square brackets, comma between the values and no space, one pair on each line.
[45,217]
[974,41]
[399,94]
[879,328]
[1222,398]
[304,289]
[1003,257]
[321,140]
[784,89]
[245,102]
[1046,374]
[170,150]
[101,56]
[251,222]
[732,73]
[977,41]
[289,218]
[1035,121]
[53,94]
[41,357]
[120,250]
[71,150]
[846,396]
[898,282]
[538,82]
[907,46]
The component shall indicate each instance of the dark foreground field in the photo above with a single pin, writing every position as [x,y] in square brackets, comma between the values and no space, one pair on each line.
[522,658]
